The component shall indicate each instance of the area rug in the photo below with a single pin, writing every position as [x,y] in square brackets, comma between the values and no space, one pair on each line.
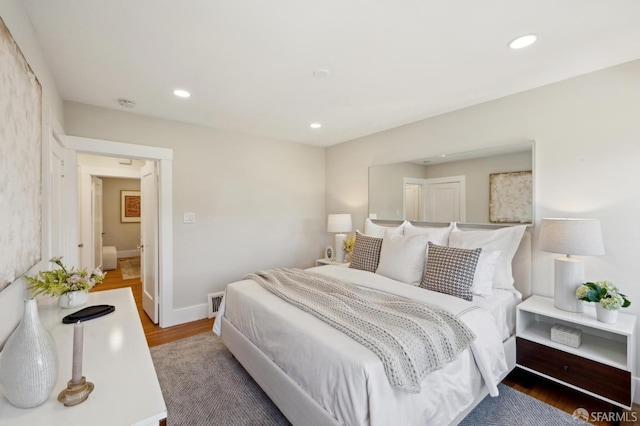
[203,384]
[130,267]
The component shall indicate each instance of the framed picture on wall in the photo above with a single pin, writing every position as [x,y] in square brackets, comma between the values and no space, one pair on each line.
[129,206]
[20,162]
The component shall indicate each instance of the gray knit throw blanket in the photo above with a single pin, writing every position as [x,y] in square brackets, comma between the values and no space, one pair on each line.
[411,338]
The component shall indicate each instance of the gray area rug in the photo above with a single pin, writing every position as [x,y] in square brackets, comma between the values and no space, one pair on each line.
[204,385]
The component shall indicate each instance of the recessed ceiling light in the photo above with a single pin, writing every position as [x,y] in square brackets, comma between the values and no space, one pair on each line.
[315,125]
[321,73]
[523,41]
[181,93]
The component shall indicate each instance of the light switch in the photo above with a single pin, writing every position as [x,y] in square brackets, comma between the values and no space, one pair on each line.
[189,218]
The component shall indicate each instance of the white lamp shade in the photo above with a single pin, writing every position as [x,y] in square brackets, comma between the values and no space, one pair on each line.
[339,223]
[571,236]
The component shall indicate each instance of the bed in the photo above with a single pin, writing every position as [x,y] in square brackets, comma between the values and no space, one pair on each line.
[317,375]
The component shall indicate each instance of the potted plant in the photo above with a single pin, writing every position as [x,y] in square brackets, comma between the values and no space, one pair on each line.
[70,285]
[607,298]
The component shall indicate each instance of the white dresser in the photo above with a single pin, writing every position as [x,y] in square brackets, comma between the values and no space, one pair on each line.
[116,359]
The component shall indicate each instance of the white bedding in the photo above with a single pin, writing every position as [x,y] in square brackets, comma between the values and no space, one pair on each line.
[346,378]
[502,306]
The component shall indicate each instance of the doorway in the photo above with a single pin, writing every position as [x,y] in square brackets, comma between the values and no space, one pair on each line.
[111,196]
[434,199]
[162,157]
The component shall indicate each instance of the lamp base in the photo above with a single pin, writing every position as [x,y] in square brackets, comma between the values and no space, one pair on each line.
[569,275]
[340,238]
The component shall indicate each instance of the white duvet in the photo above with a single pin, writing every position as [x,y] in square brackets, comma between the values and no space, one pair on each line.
[346,378]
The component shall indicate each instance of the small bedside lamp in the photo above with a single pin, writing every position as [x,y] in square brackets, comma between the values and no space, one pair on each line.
[570,237]
[339,223]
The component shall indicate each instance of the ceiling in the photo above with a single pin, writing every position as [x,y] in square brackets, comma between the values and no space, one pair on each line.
[249,64]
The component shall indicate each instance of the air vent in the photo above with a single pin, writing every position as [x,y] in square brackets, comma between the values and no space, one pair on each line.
[215,299]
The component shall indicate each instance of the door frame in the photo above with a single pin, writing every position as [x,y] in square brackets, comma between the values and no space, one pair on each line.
[164,159]
[425,182]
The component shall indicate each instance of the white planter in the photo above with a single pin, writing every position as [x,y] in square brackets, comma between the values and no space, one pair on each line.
[73,299]
[29,361]
[610,316]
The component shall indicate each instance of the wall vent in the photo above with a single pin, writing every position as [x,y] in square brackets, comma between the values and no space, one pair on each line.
[214,303]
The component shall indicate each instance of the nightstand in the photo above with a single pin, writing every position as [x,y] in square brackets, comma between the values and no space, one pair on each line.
[602,366]
[323,262]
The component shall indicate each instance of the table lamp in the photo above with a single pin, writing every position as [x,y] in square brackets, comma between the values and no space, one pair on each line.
[339,223]
[574,236]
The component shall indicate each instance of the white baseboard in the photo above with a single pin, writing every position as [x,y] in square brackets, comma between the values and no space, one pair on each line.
[183,315]
[128,253]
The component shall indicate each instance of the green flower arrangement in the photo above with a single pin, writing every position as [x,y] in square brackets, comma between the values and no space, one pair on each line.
[63,280]
[603,292]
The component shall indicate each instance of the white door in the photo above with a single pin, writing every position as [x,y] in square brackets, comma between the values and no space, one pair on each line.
[58,199]
[96,218]
[63,212]
[413,202]
[149,240]
[445,199]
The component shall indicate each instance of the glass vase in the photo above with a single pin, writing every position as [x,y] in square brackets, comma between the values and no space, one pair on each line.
[29,361]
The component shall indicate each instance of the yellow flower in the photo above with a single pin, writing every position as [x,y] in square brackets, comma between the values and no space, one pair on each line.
[347,245]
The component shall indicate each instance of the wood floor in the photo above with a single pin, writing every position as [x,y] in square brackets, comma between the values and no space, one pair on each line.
[155,335]
[549,392]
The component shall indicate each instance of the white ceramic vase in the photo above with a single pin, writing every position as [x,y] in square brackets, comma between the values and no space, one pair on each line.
[73,299]
[29,361]
[610,316]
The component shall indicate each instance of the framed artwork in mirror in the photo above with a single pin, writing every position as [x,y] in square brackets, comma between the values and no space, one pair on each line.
[510,197]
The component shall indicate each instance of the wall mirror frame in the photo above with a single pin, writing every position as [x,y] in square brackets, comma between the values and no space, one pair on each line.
[488,186]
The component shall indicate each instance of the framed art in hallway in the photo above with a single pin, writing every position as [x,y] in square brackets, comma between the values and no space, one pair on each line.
[129,206]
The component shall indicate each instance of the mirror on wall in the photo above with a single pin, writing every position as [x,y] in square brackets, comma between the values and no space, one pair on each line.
[486,186]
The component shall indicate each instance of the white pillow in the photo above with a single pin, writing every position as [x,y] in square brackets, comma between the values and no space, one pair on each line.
[379,231]
[402,257]
[483,277]
[506,240]
[440,235]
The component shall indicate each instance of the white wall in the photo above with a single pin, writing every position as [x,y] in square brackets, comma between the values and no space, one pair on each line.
[387,182]
[587,133]
[259,203]
[15,18]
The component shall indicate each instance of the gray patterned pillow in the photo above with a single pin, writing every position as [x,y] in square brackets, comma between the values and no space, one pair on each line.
[366,252]
[450,270]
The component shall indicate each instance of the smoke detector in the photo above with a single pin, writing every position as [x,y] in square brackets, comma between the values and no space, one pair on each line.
[126,103]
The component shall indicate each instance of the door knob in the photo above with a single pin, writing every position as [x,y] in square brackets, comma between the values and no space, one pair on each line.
[81,245]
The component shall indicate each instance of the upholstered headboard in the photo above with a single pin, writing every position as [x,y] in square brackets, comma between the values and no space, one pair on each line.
[521,263]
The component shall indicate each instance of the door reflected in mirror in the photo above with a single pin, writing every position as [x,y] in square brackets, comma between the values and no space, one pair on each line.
[488,186]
